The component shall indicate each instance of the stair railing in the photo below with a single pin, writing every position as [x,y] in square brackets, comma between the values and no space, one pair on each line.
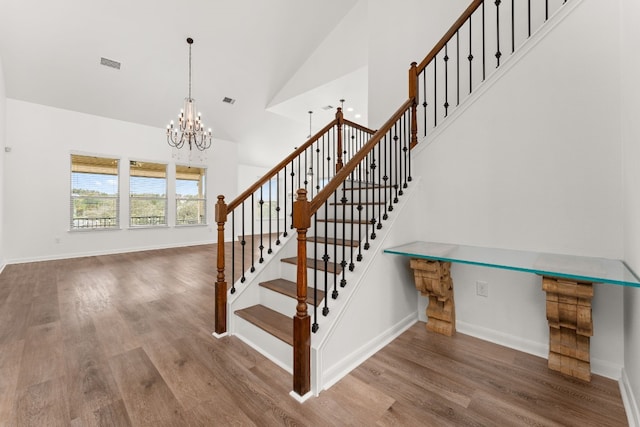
[384,162]
[363,191]
[469,51]
[262,214]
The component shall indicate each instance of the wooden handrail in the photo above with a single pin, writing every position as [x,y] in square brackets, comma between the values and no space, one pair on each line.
[256,186]
[344,173]
[449,34]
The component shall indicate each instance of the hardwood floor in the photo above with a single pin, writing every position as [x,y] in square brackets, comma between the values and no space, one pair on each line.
[125,340]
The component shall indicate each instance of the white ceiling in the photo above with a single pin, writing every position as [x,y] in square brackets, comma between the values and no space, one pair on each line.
[244,49]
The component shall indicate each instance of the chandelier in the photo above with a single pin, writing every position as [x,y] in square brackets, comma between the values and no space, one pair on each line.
[190,128]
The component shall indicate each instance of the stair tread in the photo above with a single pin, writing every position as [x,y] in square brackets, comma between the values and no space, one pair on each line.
[348,221]
[276,324]
[332,241]
[356,203]
[332,267]
[289,288]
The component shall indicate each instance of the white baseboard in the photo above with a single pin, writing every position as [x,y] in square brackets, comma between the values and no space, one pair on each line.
[598,366]
[629,400]
[496,337]
[353,360]
[105,252]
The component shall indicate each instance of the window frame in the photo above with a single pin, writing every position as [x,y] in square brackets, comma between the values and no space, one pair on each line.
[147,169]
[202,200]
[96,165]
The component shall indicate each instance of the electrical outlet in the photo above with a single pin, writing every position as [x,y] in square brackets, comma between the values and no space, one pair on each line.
[482,289]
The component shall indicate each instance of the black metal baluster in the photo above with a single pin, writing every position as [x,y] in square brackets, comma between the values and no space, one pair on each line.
[243,244]
[233,252]
[457,68]
[253,234]
[424,97]
[498,53]
[335,243]
[352,217]
[399,148]
[343,263]
[546,10]
[470,58]
[395,162]
[270,239]
[327,172]
[293,190]
[446,79]
[405,148]
[284,226]
[513,25]
[529,16]
[390,176]
[261,203]
[318,164]
[484,53]
[373,193]
[379,167]
[315,326]
[325,259]
[306,174]
[359,209]
[278,206]
[365,164]
[435,91]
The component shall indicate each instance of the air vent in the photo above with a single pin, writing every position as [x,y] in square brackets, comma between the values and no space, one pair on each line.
[327,107]
[110,63]
[228,100]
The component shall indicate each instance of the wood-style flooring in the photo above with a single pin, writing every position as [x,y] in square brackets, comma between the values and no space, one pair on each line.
[125,340]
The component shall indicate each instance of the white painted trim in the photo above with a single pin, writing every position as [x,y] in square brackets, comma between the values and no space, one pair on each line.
[299,398]
[598,366]
[107,252]
[353,360]
[536,37]
[500,338]
[629,400]
[2,266]
[218,336]
[260,350]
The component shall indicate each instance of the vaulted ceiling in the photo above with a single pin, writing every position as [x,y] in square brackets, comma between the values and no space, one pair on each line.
[268,55]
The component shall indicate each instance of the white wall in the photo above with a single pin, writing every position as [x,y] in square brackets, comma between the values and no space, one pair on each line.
[533,164]
[37,182]
[3,107]
[401,32]
[630,89]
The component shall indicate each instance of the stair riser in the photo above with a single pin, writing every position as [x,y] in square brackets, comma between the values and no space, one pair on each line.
[290,272]
[272,347]
[331,250]
[335,230]
[351,212]
[276,301]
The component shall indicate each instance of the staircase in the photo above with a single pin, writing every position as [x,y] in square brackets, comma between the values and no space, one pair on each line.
[360,176]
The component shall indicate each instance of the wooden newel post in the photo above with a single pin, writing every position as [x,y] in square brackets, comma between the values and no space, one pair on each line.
[413,94]
[221,284]
[340,119]
[301,320]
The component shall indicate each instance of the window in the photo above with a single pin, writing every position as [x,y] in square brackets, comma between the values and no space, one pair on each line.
[147,194]
[94,193]
[191,200]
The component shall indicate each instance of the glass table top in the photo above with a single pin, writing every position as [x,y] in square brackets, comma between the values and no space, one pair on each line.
[579,268]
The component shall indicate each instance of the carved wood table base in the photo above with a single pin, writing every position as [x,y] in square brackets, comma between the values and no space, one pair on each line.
[570,326]
[433,279]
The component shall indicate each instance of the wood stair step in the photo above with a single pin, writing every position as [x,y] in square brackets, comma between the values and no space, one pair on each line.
[356,203]
[365,187]
[289,288]
[332,267]
[348,221]
[332,241]
[277,324]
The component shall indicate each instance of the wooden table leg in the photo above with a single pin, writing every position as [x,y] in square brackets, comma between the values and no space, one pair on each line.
[570,326]
[433,279]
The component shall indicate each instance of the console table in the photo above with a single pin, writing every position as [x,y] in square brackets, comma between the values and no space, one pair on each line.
[567,280]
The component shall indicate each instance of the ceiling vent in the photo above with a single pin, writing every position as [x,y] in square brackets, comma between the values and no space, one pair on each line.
[110,63]
[327,107]
[228,100]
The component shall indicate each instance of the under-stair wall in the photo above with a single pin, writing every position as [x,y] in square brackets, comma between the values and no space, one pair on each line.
[534,163]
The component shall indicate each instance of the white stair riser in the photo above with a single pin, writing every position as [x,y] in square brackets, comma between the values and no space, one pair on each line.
[290,272]
[272,347]
[278,302]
